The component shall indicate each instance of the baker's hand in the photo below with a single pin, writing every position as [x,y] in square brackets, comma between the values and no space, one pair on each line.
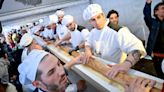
[124,67]
[140,85]
[57,43]
[81,59]
[89,56]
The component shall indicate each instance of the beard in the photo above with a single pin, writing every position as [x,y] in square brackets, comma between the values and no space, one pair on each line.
[56,88]
[72,29]
[53,87]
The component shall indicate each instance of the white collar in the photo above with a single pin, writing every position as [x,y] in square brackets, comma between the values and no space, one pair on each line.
[75,27]
[107,22]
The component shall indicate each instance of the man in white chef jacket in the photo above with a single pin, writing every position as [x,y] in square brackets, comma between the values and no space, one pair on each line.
[77,35]
[110,44]
[48,33]
[29,44]
[61,30]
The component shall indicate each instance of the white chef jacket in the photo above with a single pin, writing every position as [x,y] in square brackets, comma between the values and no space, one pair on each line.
[85,33]
[29,87]
[33,30]
[78,37]
[24,54]
[113,43]
[48,34]
[61,31]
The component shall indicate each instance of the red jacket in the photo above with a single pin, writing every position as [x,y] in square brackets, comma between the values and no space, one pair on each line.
[163,88]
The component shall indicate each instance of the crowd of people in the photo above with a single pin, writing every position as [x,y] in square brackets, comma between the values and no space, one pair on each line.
[26,65]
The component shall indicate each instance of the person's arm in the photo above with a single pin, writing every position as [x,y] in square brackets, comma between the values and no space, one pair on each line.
[133,57]
[81,45]
[57,37]
[81,59]
[89,45]
[88,52]
[147,13]
[131,45]
[70,64]
[65,38]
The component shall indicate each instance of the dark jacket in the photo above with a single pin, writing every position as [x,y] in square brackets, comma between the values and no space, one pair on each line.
[154,25]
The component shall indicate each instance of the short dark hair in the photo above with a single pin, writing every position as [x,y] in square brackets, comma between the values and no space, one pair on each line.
[156,7]
[111,12]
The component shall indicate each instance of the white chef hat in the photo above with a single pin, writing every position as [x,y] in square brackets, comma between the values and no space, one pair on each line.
[53,19]
[67,19]
[26,40]
[36,29]
[92,10]
[28,68]
[59,12]
[162,66]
